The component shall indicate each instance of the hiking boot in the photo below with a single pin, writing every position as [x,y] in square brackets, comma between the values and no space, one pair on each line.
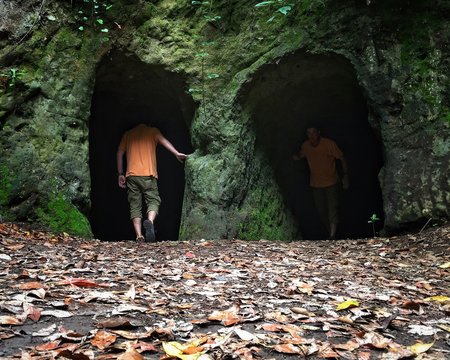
[140,239]
[149,231]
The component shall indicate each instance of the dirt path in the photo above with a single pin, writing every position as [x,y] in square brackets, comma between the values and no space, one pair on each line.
[349,299]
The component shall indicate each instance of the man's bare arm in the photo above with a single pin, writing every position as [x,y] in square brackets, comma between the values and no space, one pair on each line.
[121,176]
[168,145]
[345,178]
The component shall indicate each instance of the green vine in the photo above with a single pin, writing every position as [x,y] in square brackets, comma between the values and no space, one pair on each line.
[206,7]
[92,14]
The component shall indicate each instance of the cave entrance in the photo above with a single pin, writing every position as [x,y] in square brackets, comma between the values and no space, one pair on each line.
[301,89]
[127,90]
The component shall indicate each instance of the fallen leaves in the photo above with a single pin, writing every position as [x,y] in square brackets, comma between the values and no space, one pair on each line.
[347,304]
[222,299]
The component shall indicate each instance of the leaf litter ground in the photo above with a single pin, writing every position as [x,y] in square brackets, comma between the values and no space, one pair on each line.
[380,298]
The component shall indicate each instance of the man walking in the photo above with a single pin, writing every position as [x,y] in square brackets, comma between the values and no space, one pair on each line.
[139,144]
[321,154]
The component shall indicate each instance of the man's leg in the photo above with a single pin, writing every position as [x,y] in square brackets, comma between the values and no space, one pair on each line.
[321,206]
[332,196]
[135,201]
[137,225]
[152,202]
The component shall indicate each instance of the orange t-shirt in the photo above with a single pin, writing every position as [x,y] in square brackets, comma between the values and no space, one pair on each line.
[322,162]
[139,145]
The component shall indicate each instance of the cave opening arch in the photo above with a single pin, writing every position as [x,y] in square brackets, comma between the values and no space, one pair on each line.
[126,92]
[296,91]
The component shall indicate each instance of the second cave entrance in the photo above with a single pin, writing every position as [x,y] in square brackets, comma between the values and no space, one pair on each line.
[128,91]
[303,89]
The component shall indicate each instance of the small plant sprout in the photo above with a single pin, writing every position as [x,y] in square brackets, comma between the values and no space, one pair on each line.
[13,75]
[373,219]
[282,8]
[427,213]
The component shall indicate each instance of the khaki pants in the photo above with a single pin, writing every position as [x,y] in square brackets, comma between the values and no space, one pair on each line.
[146,187]
[326,201]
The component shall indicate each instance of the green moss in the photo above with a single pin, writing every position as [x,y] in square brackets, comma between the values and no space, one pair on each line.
[60,215]
[5,190]
[264,219]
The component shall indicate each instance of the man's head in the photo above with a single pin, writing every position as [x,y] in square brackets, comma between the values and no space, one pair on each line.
[313,135]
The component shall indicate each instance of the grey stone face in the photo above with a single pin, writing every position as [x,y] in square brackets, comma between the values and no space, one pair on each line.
[254,85]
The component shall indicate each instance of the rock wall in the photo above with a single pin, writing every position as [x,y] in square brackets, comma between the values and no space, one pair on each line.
[48,58]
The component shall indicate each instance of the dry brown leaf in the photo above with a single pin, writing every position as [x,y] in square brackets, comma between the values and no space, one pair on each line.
[228,317]
[114,323]
[103,339]
[30,285]
[288,349]
[144,346]
[48,346]
[9,320]
[130,354]
[32,312]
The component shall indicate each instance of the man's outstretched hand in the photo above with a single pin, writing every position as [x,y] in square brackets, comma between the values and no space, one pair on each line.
[181,157]
[345,182]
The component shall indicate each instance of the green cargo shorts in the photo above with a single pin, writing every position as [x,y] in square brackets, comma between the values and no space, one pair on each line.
[142,187]
[326,201]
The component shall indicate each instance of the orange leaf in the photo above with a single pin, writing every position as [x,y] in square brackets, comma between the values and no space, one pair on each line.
[228,317]
[15,247]
[30,285]
[272,327]
[288,349]
[9,320]
[32,312]
[144,346]
[103,339]
[130,354]
[193,350]
[48,346]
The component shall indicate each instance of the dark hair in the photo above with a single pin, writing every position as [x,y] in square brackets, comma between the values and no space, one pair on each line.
[312,126]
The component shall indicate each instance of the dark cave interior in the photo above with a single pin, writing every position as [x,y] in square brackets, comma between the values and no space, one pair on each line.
[126,92]
[303,89]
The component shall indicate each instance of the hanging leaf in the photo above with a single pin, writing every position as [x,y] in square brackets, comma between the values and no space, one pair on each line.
[264,3]
[285,9]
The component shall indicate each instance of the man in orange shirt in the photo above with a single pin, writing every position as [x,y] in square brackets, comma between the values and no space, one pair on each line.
[139,144]
[321,154]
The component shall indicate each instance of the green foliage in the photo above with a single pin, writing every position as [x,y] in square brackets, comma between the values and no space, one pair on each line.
[372,220]
[91,14]
[60,215]
[262,221]
[202,55]
[277,7]
[12,76]
[5,185]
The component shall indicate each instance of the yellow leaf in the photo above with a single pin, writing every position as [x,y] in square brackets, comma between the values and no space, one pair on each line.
[347,304]
[445,266]
[176,349]
[444,327]
[438,298]
[420,348]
